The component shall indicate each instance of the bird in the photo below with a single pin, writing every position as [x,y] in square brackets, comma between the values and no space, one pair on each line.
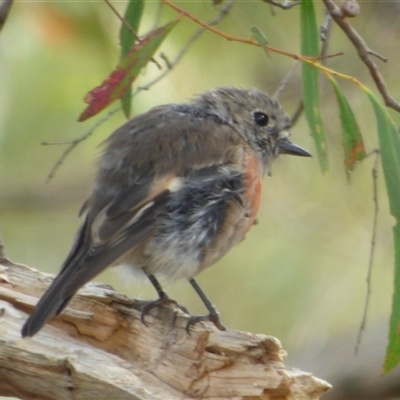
[176,188]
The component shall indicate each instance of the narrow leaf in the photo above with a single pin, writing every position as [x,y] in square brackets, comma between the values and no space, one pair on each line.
[129,67]
[389,144]
[133,14]
[352,140]
[259,36]
[310,47]
[126,102]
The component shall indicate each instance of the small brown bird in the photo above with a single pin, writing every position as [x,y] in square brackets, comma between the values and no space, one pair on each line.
[176,189]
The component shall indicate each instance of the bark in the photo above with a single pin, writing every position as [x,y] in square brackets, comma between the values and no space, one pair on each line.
[99,349]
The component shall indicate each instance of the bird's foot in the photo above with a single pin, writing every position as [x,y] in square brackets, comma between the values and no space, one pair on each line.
[213,317]
[162,301]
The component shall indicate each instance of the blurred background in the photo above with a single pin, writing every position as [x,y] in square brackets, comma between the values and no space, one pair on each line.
[300,274]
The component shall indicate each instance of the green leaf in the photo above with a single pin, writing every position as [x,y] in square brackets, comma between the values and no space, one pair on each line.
[129,67]
[126,102]
[389,144]
[352,140]
[259,36]
[133,14]
[310,47]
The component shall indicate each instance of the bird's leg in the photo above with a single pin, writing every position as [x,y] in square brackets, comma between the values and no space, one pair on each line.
[213,315]
[157,285]
[163,298]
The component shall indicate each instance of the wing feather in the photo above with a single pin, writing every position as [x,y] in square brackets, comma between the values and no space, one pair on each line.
[142,164]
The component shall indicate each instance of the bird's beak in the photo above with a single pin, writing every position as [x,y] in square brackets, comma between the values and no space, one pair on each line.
[287,147]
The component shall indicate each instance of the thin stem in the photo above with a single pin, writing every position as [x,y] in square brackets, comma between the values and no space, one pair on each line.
[285,5]
[224,35]
[372,249]
[123,20]
[364,53]
[72,144]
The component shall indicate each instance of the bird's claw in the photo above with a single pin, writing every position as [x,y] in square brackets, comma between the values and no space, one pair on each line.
[212,317]
[162,301]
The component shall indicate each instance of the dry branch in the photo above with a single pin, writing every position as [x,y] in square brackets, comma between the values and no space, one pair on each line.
[99,349]
[363,52]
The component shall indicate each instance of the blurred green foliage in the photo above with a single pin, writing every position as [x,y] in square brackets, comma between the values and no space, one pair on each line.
[300,274]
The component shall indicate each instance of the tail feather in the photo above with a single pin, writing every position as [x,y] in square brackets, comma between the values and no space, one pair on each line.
[48,305]
[80,269]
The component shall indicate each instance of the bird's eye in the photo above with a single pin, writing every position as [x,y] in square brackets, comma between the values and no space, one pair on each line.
[260,118]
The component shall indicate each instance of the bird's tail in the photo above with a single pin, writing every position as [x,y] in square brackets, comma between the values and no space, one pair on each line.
[52,302]
[81,266]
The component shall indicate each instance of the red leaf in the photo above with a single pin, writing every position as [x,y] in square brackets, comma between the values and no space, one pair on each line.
[127,70]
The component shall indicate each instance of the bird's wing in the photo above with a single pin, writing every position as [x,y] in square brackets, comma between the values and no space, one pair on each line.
[144,161]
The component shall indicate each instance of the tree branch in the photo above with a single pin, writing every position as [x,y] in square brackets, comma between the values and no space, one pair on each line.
[372,248]
[363,52]
[99,349]
[74,143]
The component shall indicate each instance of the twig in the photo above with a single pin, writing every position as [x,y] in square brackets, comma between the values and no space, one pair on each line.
[130,29]
[58,143]
[123,20]
[285,80]
[363,52]
[297,113]
[75,142]
[377,55]
[325,34]
[325,31]
[285,5]
[231,38]
[251,41]
[223,13]
[165,58]
[72,144]
[5,7]
[372,250]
